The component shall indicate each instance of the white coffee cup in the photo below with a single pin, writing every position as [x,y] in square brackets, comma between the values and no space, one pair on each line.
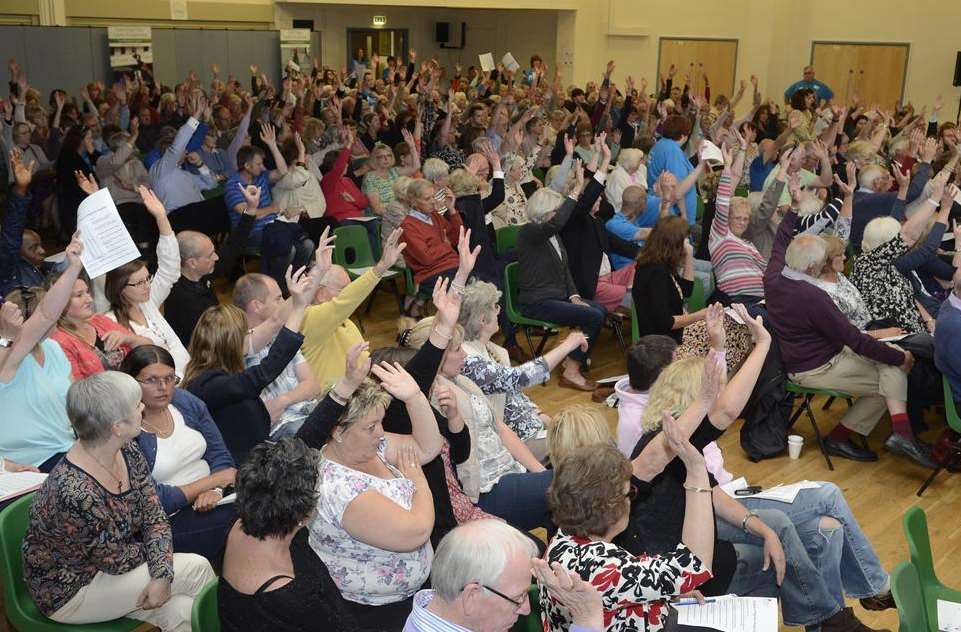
[794,443]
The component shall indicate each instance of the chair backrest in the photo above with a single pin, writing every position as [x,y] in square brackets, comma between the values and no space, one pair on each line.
[204,617]
[13,526]
[635,326]
[352,247]
[906,588]
[511,276]
[950,410]
[919,543]
[506,238]
[696,301]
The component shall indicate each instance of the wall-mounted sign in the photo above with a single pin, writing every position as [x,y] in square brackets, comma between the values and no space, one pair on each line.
[379,20]
[127,41]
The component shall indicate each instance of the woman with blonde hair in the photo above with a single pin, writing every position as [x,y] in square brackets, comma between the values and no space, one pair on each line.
[574,427]
[379,180]
[216,372]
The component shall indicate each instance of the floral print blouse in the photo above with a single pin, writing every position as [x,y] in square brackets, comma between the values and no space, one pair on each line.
[513,210]
[365,574]
[887,292]
[520,413]
[78,529]
[848,299]
[633,589]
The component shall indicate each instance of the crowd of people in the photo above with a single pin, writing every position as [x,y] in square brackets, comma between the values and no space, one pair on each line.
[199,419]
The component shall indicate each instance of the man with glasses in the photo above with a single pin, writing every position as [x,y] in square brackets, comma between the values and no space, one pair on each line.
[480,577]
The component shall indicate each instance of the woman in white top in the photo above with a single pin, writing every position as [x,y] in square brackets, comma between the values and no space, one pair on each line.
[135,297]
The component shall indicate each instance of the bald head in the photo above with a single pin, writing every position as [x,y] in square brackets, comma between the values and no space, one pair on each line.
[332,284]
[197,254]
[633,201]
[191,243]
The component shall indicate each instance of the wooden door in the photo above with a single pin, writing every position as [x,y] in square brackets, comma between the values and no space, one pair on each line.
[875,72]
[717,58]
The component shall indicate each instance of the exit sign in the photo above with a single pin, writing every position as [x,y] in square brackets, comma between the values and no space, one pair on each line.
[380,20]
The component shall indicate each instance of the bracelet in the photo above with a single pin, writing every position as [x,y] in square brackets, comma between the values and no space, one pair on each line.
[446,337]
[750,514]
[694,488]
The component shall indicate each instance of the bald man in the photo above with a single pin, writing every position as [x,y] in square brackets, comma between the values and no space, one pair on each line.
[21,253]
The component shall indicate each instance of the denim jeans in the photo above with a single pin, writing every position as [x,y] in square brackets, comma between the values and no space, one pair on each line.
[520,499]
[589,318]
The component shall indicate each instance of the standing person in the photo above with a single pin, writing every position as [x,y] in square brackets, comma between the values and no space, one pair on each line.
[668,155]
[808,82]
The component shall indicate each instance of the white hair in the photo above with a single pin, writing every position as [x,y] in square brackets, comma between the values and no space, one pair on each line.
[541,203]
[878,232]
[630,159]
[434,169]
[96,403]
[476,551]
[805,252]
[809,205]
[869,175]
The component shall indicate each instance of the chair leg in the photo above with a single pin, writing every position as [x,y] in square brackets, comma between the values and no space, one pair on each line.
[370,299]
[828,403]
[543,343]
[530,342]
[817,431]
[930,480]
[616,326]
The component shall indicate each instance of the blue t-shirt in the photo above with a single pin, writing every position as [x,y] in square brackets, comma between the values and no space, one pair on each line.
[233,196]
[821,90]
[626,229]
[759,171]
[667,155]
[34,405]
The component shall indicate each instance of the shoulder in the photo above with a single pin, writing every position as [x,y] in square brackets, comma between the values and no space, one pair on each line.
[189,405]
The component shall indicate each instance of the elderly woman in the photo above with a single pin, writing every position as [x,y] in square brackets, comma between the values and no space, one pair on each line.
[35,374]
[271,578]
[488,366]
[630,171]
[98,545]
[122,173]
[395,212]
[547,289]
[136,297]
[185,453]
[576,426]
[590,501]
[512,211]
[379,181]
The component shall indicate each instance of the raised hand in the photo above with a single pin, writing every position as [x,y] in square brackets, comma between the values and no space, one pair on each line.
[392,251]
[679,444]
[87,183]
[301,286]
[714,318]
[154,206]
[251,194]
[581,599]
[324,254]
[755,325]
[11,321]
[713,378]
[357,368]
[22,174]
[74,250]
[396,381]
[267,134]
[468,257]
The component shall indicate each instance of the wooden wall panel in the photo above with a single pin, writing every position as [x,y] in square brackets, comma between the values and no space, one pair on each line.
[715,57]
[875,72]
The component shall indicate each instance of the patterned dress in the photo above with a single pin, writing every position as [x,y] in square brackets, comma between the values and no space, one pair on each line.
[520,413]
[886,291]
[633,589]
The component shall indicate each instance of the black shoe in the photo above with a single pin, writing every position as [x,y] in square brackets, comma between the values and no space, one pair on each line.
[846,621]
[847,450]
[910,448]
[881,601]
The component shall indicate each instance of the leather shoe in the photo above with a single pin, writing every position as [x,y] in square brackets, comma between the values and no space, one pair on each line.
[846,621]
[588,385]
[882,601]
[910,448]
[847,450]
[601,393]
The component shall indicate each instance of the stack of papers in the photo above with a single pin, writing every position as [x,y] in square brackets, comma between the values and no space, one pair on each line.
[13,484]
[780,493]
[732,614]
[949,616]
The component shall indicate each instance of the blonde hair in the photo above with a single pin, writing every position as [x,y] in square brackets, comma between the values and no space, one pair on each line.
[878,232]
[541,203]
[463,182]
[217,343]
[861,151]
[574,427]
[673,391]
[368,397]
[740,204]
[416,336]
[833,246]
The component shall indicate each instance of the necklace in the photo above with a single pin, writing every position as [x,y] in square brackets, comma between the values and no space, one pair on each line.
[161,434]
[105,468]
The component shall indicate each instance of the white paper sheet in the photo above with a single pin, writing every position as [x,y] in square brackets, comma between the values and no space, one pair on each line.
[510,63]
[733,614]
[226,500]
[893,338]
[486,62]
[949,616]
[781,493]
[106,243]
[14,484]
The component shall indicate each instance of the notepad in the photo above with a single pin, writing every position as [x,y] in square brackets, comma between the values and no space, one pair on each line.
[781,493]
[510,63]
[106,243]
[733,614]
[13,484]
[486,62]
[226,500]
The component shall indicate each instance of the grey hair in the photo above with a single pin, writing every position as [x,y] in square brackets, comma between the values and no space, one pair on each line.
[878,232]
[434,169]
[479,300]
[869,174]
[541,203]
[117,140]
[249,287]
[96,403]
[476,551]
[630,159]
[805,252]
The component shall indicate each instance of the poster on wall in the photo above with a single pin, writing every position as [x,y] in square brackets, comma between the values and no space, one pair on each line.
[127,44]
[295,51]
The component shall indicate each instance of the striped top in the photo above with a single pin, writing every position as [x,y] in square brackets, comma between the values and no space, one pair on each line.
[738,266]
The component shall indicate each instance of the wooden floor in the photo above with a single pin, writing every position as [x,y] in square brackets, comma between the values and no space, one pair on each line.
[879,493]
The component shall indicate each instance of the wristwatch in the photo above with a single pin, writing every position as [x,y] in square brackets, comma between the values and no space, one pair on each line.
[750,514]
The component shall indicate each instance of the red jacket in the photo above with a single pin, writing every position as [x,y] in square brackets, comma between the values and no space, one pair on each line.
[431,248]
[334,185]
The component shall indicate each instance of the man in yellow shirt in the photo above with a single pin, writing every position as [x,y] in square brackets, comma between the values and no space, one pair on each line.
[328,331]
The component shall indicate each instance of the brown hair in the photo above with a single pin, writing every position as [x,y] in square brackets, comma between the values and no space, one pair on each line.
[217,343]
[115,284]
[665,245]
[676,126]
[586,497]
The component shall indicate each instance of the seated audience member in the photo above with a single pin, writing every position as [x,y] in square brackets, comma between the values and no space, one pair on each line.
[546,288]
[271,579]
[820,348]
[35,374]
[136,297]
[947,337]
[222,159]
[378,182]
[576,426]
[285,244]
[185,453]
[511,210]
[590,501]
[345,200]
[507,480]
[299,187]
[396,211]
[659,290]
[374,511]
[629,172]
[217,374]
[292,396]
[98,545]
[480,580]
[122,173]
[200,265]
[488,366]
[251,171]
[645,360]
[180,190]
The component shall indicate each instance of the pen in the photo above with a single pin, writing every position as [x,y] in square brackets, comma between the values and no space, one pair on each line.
[691,602]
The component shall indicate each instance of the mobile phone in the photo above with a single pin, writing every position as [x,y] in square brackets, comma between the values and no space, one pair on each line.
[748,491]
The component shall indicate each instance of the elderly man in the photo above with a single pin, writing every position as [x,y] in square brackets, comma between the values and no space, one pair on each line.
[947,338]
[820,348]
[821,89]
[480,577]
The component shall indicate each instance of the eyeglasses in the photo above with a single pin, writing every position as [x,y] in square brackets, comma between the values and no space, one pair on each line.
[165,381]
[142,283]
[517,602]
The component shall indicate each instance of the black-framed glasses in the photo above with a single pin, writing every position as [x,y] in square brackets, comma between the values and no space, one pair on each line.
[517,602]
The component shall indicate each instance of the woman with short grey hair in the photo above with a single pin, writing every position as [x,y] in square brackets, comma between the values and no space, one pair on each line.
[98,546]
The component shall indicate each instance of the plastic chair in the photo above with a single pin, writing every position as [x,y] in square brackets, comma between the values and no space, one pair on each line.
[906,588]
[696,301]
[919,546]
[532,621]
[635,327]
[506,239]
[22,613]
[954,422]
[353,253]
[511,272]
[204,616]
[807,395]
